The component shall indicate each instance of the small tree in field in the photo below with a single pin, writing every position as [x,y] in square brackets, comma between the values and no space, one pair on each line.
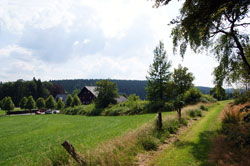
[76,101]
[159,76]
[40,103]
[30,103]
[107,92]
[50,102]
[182,81]
[60,104]
[8,104]
[69,101]
[23,102]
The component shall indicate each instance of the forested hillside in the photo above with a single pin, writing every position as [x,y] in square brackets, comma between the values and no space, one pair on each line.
[125,86]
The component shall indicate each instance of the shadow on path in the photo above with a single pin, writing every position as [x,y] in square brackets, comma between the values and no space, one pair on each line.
[200,149]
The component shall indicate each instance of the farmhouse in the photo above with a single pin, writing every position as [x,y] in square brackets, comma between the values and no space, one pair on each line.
[88,94]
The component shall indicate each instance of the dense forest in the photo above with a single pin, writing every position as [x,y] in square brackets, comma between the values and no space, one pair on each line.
[37,88]
[124,86]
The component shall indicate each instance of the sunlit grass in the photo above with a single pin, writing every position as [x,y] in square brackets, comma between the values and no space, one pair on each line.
[193,146]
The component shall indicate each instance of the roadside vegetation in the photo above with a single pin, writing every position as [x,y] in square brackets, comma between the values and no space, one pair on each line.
[232,145]
[193,146]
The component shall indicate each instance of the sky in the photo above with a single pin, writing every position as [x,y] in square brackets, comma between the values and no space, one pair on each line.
[80,39]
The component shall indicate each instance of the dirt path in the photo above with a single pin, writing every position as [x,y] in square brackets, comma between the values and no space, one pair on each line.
[144,159]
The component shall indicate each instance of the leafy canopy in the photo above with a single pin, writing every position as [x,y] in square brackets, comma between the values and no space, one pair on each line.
[217,24]
[107,93]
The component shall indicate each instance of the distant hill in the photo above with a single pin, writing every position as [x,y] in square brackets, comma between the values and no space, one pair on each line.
[124,86]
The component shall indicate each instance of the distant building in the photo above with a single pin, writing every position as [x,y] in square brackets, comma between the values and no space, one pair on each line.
[61,96]
[88,95]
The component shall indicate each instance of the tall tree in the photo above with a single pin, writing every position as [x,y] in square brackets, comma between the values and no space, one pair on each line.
[8,104]
[159,76]
[23,102]
[76,101]
[182,80]
[60,104]
[69,101]
[30,103]
[50,102]
[107,92]
[40,103]
[217,24]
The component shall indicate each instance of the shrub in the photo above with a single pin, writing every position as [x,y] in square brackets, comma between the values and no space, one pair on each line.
[8,104]
[171,125]
[23,102]
[184,121]
[195,113]
[242,99]
[60,104]
[231,117]
[69,101]
[30,103]
[207,99]
[76,101]
[149,143]
[40,103]
[50,102]
[192,96]
[204,108]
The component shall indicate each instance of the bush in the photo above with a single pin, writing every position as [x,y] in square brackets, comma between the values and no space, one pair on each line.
[192,96]
[8,104]
[149,143]
[23,102]
[31,104]
[207,99]
[171,125]
[242,99]
[195,113]
[50,102]
[40,103]
[204,108]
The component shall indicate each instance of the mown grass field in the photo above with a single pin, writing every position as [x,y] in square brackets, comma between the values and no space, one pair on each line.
[28,138]
[193,146]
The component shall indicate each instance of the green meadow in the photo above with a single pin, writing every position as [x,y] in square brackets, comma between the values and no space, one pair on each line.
[29,138]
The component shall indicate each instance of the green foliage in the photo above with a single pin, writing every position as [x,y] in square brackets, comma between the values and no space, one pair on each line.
[172,125]
[204,108]
[192,96]
[52,130]
[220,25]
[243,98]
[207,99]
[60,104]
[20,88]
[30,103]
[76,101]
[218,92]
[23,102]
[149,143]
[8,104]
[50,102]
[159,76]
[76,92]
[40,103]
[107,92]
[69,101]
[195,113]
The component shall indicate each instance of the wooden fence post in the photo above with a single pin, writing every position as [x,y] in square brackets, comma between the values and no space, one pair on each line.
[71,150]
[159,121]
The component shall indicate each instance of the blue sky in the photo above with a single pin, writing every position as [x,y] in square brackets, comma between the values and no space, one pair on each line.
[80,39]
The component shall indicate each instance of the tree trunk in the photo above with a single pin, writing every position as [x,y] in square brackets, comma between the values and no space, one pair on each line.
[241,51]
[159,121]
[71,150]
[179,114]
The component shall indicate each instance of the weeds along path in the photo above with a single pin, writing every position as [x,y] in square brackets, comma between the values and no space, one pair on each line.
[192,147]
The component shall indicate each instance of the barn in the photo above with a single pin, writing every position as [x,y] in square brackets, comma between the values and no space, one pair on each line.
[88,95]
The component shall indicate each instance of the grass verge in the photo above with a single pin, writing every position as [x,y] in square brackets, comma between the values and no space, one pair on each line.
[193,146]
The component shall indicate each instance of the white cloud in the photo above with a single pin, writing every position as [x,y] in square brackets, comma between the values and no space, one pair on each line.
[64,39]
